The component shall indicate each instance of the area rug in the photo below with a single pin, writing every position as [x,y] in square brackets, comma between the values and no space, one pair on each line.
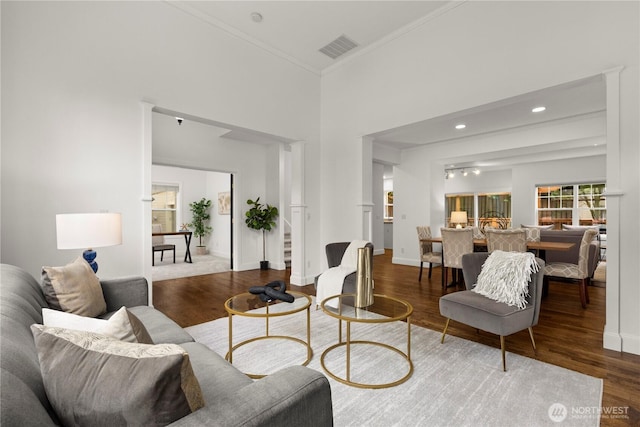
[458,383]
[202,264]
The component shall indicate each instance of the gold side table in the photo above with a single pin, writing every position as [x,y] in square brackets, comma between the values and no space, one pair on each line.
[245,304]
[385,309]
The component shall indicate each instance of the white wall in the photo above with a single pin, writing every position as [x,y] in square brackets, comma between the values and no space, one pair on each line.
[219,243]
[73,76]
[474,54]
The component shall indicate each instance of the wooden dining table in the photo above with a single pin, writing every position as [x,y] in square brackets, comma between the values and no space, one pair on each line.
[539,247]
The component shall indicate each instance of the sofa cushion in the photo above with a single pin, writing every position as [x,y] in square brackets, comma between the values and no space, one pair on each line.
[122,325]
[161,329]
[74,288]
[114,382]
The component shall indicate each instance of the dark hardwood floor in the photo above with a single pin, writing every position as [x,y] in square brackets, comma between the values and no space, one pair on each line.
[567,335]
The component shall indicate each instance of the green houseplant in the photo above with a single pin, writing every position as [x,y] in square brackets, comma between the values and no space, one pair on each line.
[261,217]
[201,216]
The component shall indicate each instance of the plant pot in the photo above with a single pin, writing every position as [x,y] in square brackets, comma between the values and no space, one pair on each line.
[264,265]
[201,250]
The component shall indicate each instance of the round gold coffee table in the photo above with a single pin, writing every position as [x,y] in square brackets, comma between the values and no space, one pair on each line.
[385,309]
[248,305]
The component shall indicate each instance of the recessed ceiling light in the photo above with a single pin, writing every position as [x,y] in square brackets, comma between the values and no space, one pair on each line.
[538,109]
[461,126]
[256,17]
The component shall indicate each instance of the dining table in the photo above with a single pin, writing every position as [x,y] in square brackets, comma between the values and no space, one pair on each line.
[540,248]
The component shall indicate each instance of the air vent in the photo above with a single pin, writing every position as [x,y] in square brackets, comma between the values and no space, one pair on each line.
[338,47]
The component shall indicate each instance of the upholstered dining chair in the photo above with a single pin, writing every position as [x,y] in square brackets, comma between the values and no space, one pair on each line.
[481,312]
[579,272]
[159,245]
[455,243]
[514,240]
[426,250]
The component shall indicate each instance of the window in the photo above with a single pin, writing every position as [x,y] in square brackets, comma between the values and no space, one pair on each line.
[388,205]
[164,207]
[459,202]
[578,204]
[493,209]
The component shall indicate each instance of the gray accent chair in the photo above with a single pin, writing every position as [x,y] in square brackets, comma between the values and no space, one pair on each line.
[486,314]
[334,252]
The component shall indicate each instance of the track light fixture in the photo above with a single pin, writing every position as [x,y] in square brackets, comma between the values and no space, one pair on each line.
[451,173]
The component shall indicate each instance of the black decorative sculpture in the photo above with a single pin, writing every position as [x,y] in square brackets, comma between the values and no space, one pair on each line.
[271,291]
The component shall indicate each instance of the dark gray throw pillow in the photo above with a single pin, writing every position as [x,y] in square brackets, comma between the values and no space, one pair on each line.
[92,379]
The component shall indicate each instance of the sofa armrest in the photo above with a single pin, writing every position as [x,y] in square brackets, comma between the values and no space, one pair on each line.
[129,291]
[294,396]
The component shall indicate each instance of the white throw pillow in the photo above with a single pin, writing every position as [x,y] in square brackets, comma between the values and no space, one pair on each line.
[505,277]
[121,325]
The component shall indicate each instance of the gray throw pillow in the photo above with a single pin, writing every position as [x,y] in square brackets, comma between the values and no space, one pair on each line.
[74,288]
[92,379]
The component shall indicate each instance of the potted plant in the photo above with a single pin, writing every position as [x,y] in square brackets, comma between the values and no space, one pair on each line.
[261,217]
[200,212]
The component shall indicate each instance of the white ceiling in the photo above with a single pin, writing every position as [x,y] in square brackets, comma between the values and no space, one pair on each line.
[296,30]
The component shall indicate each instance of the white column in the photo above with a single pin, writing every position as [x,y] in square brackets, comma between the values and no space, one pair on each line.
[298,216]
[612,339]
[147,160]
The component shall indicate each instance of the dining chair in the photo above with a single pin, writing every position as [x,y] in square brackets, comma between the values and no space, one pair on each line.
[579,271]
[514,240]
[158,245]
[455,243]
[426,250]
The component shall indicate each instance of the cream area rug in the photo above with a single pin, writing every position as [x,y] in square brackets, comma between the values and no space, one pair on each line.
[202,264]
[458,383]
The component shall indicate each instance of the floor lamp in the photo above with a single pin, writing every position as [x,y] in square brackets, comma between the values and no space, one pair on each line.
[89,230]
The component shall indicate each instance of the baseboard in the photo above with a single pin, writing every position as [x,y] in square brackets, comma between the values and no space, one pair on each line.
[220,254]
[630,343]
[405,261]
[378,251]
[299,280]
[611,341]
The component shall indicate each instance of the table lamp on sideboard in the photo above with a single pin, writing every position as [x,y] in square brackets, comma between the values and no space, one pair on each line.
[459,218]
[88,230]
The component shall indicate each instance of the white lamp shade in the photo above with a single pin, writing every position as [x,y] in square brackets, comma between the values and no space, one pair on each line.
[459,217]
[92,230]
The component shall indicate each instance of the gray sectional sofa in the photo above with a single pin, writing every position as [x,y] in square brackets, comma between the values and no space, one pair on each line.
[294,396]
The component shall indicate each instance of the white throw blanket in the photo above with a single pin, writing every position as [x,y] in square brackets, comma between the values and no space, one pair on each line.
[330,282]
[505,277]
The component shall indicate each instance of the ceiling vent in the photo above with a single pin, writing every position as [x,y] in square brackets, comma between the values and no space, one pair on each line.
[339,47]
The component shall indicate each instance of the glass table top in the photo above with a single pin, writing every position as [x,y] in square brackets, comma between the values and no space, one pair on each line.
[247,304]
[383,309]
